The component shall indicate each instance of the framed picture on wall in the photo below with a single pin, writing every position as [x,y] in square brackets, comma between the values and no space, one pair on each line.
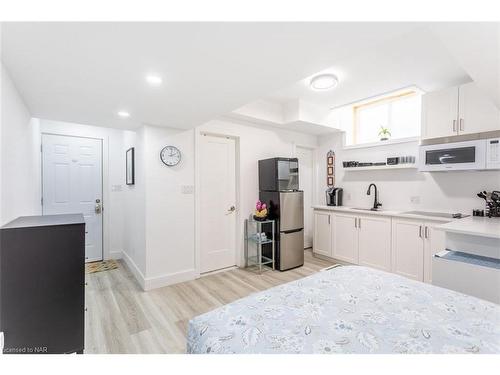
[329,181]
[330,171]
[130,167]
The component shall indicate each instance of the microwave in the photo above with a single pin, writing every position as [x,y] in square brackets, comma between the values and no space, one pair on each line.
[467,155]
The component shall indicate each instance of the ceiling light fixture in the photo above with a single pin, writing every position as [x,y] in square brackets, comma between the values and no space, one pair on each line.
[154,80]
[123,114]
[323,82]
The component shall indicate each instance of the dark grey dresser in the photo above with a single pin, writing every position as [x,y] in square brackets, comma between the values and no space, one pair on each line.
[42,284]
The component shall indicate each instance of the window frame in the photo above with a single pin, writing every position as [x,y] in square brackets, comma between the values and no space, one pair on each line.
[380,99]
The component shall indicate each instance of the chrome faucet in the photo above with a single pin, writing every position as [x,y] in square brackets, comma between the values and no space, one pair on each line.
[376,203]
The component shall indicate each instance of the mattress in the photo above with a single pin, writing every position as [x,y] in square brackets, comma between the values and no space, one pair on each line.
[350,309]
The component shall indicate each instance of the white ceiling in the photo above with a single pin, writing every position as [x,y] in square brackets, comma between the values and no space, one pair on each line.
[86,72]
[417,58]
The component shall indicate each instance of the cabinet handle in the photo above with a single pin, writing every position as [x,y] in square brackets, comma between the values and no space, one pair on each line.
[454,125]
[426,232]
[359,223]
[420,231]
[355,222]
[328,219]
[461,124]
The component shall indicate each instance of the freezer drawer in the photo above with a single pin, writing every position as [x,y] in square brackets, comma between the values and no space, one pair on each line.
[467,273]
[291,250]
[291,210]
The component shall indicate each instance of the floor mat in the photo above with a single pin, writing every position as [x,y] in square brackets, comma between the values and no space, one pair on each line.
[105,265]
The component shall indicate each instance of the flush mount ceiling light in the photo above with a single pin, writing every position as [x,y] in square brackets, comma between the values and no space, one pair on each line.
[323,82]
[154,80]
[123,114]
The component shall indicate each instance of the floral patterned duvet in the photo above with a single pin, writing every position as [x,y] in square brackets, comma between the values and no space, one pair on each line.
[350,309]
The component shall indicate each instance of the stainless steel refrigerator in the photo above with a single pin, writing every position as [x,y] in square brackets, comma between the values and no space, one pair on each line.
[286,207]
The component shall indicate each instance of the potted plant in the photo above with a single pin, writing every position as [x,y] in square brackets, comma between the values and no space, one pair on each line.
[384,133]
[260,211]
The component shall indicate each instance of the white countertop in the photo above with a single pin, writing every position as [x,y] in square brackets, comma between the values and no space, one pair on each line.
[471,225]
[391,213]
[474,226]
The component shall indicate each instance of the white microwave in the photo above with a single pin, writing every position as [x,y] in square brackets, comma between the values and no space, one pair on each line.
[467,155]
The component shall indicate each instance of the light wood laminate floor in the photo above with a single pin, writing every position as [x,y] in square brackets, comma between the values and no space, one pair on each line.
[121,318]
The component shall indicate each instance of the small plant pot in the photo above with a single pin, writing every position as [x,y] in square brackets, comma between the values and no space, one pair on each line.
[384,139]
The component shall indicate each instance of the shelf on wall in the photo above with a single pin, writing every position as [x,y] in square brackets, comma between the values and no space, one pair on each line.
[379,167]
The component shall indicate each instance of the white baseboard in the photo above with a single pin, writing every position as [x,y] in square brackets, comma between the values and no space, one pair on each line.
[169,279]
[118,254]
[134,269]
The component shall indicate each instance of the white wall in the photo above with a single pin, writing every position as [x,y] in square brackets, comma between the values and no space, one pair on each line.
[448,191]
[20,193]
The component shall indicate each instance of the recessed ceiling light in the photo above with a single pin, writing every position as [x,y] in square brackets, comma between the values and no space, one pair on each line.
[123,114]
[154,80]
[324,82]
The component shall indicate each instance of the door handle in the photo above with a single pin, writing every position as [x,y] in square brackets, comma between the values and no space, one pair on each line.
[231,210]
[98,207]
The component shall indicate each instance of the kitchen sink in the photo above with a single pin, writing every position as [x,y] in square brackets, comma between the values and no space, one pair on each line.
[366,209]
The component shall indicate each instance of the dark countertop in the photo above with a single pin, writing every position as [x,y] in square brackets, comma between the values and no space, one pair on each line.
[44,221]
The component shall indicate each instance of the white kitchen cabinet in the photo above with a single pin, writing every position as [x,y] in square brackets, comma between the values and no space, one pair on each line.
[476,111]
[414,243]
[375,242]
[408,248]
[458,110]
[439,113]
[322,236]
[434,242]
[345,237]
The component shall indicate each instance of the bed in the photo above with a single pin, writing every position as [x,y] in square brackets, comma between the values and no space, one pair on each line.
[349,309]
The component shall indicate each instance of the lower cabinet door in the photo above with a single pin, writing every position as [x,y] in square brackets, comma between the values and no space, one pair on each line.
[322,236]
[434,243]
[345,238]
[408,248]
[375,242]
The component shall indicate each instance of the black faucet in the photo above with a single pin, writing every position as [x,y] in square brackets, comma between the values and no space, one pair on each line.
[376,203]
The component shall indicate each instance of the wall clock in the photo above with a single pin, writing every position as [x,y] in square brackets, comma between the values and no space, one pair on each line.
[170,156]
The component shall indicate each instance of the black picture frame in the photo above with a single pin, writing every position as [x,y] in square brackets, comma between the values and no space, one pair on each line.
[130,166]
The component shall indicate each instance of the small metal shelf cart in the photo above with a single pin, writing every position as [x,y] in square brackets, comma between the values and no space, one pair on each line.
[255,239]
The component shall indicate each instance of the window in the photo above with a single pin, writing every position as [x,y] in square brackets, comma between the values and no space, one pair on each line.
[398,113]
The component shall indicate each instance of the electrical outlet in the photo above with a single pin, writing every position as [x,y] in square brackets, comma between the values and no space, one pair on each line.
[415,199]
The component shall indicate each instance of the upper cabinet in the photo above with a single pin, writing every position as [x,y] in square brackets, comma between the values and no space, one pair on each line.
[458,110]
[439,113]
[476,112]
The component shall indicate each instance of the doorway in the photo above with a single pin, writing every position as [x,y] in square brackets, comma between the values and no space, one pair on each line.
[72,183]
[218,202]
[306,168]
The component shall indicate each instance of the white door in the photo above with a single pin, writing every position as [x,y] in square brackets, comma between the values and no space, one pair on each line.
[305,157]
[435,242]
[477,113]
[408,248]
[375,242]
[322,233]
[439,113]
[217,203]
[72,183]
[345,238]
